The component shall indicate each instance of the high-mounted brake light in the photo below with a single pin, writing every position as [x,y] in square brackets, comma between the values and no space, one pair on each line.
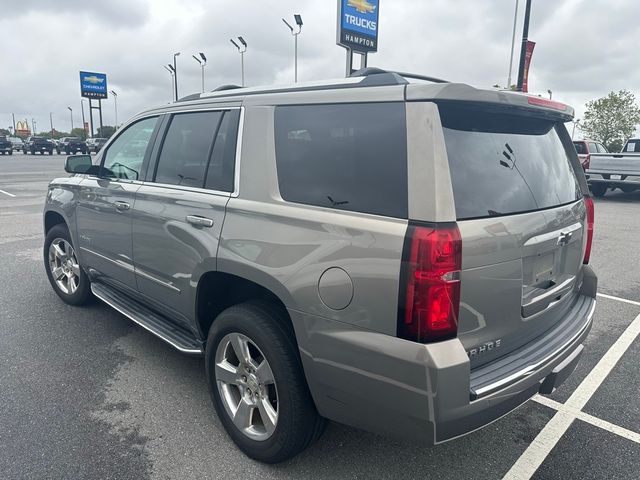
[430,292]
[588,202]
[543,102]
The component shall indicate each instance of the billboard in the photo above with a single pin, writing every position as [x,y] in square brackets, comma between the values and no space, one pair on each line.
[93,85]
[358,25]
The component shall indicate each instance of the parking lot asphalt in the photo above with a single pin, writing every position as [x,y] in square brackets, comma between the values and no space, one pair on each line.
[85,393]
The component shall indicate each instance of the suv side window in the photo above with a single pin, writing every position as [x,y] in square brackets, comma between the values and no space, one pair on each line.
[187,147]
[593,148]
[344,156]
[125,155]
[602,149]
[221,169]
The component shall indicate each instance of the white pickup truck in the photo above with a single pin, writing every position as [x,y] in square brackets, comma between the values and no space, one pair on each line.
[615,170]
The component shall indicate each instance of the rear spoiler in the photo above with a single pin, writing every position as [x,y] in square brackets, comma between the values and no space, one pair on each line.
[495,100]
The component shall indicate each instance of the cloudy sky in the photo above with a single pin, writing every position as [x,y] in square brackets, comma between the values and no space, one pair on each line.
[585,48]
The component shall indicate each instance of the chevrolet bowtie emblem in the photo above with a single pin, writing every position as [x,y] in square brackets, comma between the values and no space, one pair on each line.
[362,6]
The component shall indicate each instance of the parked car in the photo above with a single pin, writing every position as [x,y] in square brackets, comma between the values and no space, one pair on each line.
[585,148]
[71,145]
[6,148]
[37,144]
[616,170]
[355,250]
[95,144]
[16,143]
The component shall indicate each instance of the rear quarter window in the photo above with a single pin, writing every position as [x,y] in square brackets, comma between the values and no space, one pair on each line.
[344,156]
[581,148]
[505,164]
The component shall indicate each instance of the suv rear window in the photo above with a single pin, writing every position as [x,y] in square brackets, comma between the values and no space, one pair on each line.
[505,164]
[344,156]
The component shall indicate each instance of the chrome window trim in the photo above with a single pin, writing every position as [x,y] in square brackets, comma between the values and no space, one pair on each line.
[183,188]
[236,174]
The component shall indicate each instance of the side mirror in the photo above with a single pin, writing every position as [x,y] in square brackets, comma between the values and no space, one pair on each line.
[78,164]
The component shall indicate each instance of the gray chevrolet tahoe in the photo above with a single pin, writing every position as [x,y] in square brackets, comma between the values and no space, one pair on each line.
[410,258]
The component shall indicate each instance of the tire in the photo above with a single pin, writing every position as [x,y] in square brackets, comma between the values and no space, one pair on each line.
[298,423]
[598,189]
[10,152]
[81,294]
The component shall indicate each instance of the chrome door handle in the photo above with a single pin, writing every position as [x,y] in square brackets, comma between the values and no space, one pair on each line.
[122,206]
[197,221]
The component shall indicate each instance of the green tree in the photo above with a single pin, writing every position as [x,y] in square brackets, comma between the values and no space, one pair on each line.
[4,132]
[611,120]
[106,131]
[78,132]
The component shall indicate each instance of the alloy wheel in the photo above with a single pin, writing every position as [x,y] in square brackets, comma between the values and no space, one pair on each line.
[247,386]
[64,266]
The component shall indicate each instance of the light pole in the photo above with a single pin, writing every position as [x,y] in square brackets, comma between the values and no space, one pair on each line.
[71,115]
[84,129]
[575,123]
[550,94]
[241,50]
[513,45]
[170,69]
[33,124]
[51,122]
[175,73]
[115,104]
[295,34]
[202,61]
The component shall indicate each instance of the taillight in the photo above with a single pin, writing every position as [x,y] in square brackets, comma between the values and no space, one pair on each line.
[588,202]
[587,162]
[430,288]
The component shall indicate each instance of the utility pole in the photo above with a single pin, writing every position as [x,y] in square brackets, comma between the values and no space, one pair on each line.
[71,115]
[298,19]
[51,122]
[513,44]
[33,124]
[13,117]
[523,50]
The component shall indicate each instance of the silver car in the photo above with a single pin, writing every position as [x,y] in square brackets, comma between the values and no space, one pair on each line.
[407,258]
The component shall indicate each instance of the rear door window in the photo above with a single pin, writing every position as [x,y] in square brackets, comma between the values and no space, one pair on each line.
[344,156]
[186,149]
[505,164]
[593,148]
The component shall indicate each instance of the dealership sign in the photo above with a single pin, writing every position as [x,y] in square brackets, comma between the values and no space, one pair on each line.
[358,25]
[93,85]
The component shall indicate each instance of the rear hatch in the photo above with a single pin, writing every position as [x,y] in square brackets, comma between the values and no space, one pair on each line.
[522,222]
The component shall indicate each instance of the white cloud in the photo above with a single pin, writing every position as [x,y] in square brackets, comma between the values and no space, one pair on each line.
[585,48]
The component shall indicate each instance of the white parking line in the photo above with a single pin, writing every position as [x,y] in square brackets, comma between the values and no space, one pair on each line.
[548,437]
[585,417]
[7,193]
[623,300]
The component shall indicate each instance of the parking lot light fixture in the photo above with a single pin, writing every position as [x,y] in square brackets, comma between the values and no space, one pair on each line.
[115,103]
[202,61]
[71,114]
[169,68]
[575,123]
[175,73]
[241,50]
[295,33]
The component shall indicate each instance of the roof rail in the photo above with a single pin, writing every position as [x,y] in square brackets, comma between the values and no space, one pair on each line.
[369,71]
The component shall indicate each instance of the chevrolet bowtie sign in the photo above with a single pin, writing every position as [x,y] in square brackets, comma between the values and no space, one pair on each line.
[358,25]
[93,85]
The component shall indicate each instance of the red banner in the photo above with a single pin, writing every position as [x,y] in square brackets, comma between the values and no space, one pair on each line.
[527,64]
